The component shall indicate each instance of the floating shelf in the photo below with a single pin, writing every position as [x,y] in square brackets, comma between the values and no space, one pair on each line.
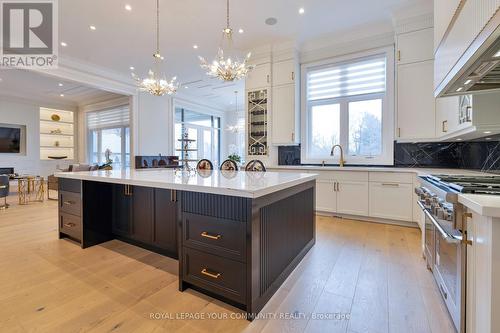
[64,139]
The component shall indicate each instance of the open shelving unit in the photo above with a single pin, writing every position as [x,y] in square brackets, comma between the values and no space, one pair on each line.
[57,134]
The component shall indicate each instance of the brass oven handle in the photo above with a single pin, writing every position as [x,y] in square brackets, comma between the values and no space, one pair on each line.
[207,235]
[69,225]
[212,275]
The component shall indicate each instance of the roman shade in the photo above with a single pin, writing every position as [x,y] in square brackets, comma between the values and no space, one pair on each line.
[109,118]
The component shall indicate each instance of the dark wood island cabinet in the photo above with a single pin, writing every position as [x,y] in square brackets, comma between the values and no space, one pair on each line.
[238,248]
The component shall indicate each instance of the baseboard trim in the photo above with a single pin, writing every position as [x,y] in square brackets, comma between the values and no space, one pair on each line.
[370,219]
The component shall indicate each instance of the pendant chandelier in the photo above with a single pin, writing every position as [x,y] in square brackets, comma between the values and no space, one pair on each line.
[227,69]
[155,83]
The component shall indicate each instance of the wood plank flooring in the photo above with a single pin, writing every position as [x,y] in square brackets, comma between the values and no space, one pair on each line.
[359,277]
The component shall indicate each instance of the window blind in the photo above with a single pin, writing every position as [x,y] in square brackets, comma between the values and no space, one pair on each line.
[359,77]
[108,118]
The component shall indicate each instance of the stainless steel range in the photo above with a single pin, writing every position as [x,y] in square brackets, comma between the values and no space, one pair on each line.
[446,233]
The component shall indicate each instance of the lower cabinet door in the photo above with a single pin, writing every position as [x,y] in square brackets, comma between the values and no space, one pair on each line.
[352,198]
[391,201]
[122,211]
[165,221]
[326,197]
[142,213]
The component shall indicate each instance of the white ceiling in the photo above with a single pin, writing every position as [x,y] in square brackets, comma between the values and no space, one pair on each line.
[126,38]
[35,86]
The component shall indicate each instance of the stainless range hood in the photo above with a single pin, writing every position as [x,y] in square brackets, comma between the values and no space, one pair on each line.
[478,70]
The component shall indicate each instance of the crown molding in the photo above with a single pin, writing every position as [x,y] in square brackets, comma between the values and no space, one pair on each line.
[409,24]
[91,75]
[17,97]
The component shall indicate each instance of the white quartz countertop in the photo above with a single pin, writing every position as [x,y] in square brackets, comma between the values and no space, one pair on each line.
[485,205]
[239,183]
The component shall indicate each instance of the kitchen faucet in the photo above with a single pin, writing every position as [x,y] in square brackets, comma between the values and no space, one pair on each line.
[341,161]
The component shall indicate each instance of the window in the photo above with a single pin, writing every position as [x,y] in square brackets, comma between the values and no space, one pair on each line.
[204,129]
[348,101]
[109,129]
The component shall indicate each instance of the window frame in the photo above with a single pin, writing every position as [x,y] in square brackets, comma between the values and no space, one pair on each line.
[387,155]
[123,138]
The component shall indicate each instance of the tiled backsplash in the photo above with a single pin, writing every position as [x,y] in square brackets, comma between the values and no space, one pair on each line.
[482,155]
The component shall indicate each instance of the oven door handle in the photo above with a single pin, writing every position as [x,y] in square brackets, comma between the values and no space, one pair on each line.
[447,237]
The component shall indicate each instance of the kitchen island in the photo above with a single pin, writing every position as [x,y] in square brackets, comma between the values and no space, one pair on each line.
[237,235]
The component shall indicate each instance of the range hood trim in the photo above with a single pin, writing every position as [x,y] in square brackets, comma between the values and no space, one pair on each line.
[481,44]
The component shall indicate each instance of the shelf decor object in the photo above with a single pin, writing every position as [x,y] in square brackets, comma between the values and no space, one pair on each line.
[257,122]
[227,67]
[56,134]
[185,150]
[155,83]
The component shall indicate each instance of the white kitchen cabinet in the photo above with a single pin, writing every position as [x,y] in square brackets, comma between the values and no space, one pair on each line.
[326,196]
[415,46]
[286,103]
[391,200]
[259,77]
[352,197]
[286,122]
[284,72]
[415,102]
[447,109]
[443,14]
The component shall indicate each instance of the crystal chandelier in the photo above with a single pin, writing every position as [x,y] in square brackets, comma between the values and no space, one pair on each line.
[227,69]
[155,83]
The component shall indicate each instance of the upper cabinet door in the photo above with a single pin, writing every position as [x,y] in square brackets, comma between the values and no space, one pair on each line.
[285,120]
[447,114]
[259,77]
[416,103]
[284,72]
[415,46]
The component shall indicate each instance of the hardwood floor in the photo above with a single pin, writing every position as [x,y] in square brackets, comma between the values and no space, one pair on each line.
[364,277]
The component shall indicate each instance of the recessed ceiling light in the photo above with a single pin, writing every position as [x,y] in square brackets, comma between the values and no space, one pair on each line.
[64,44]
[467,82]
[487,132]
[62,95]
[60,84]
[241,31]
[132,68]
[1,79]
[92,27]
[162,58]
[487,138]
[271,21]
[301,10]
[497,54]
[195,46]
[459,139]
[128,7]
[186,87]
[459,89]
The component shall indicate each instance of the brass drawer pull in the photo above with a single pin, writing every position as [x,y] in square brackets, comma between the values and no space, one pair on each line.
[69,202]
[212,275]
[207,235]
[69,225]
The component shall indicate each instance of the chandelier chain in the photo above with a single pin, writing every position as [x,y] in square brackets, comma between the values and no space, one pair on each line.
[158,27]
[227,14]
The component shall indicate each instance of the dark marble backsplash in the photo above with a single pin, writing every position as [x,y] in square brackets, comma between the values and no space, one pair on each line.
[481,155]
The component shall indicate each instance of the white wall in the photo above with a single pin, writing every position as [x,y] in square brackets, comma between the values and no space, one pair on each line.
[18,111]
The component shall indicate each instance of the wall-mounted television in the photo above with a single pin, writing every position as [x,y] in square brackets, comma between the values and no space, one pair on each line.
[10,140]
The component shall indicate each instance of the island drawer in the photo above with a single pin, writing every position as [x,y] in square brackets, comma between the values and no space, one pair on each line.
[215,235]
[70,202]
[70,225]
[219,275]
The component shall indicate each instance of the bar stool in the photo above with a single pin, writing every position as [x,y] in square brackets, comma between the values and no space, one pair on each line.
[255,165]
[204,164]
[229,165]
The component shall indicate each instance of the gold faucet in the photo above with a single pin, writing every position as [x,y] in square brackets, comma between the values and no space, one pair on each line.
[341,161]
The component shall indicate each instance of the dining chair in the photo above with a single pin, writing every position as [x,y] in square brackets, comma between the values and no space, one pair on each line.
[255,165]
[4,190]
